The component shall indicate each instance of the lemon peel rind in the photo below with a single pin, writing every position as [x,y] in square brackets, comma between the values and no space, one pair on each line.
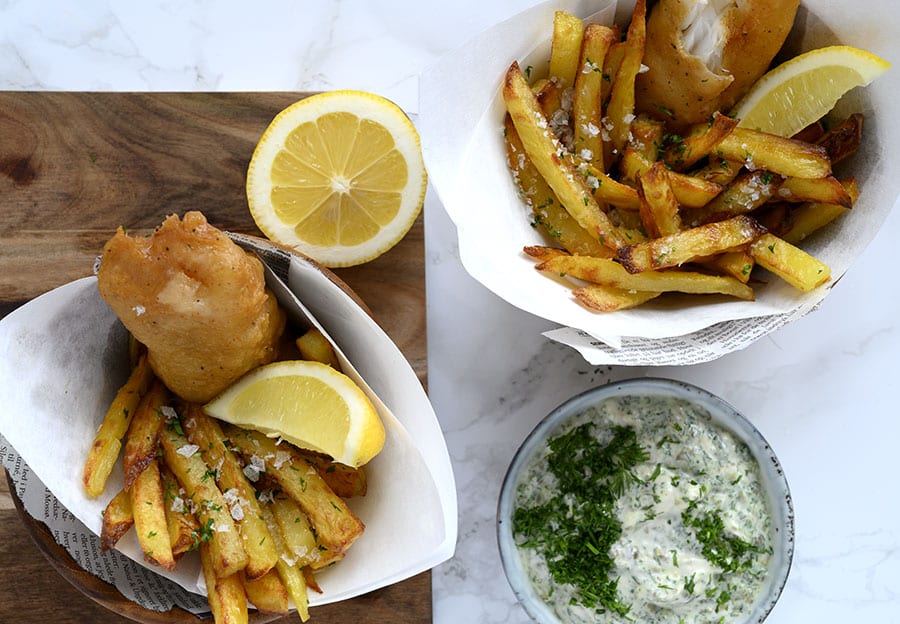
[374,108]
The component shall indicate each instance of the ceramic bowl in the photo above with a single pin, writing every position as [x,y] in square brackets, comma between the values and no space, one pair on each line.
[774,485]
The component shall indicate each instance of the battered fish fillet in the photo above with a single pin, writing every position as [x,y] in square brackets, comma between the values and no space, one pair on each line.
[196,300]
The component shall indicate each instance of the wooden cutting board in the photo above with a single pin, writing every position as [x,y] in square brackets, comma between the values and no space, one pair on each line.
[73,167]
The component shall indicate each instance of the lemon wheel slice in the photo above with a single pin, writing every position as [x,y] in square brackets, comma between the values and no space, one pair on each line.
[339,176]
[308,404]
[805,88]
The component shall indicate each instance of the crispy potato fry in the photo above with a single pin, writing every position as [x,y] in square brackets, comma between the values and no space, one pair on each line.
[142,440]
[313,345]
[548,212]
[543,149]
[769,152]
[586,110]
[605,188]
[790,263]
[217,527]
[565,47]
[749,191]
[659,207]
[148,507]
[541,252]
[291,575]
[620,109]
[646,138]
[267,593]
[184,530]
[108,441]
[609,299]
[808,218]
[346,481]
[687,245]
[737,264]
[117,520]
[719,170]
[334,523]
[226,595]
[844,139]
[690,191]
[681,153]
[612,274]
[240,496]
[827,190]
[299,537]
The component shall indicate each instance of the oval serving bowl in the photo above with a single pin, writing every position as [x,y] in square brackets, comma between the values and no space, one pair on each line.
[772,479]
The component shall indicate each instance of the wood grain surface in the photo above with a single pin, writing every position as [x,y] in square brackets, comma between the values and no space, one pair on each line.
[73,167]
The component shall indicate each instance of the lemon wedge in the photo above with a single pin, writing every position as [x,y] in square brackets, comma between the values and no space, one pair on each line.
[339,176]
[805,88]
[308,404]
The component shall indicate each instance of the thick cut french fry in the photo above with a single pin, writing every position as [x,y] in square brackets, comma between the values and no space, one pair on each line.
[659,207]
[117,520]
[313,345]
[267,593]
[611,65]
[544,149]
[844,139]
[184,530]
[646,138]
[565,47]
[548,213]
[239,495]
[719,170]
[749,191]
[148,507]
[291,575]
[142,440]
[737,264]
[620,109]
[790,263]
[687,245]
[226,595]
[690,191]
[108,441]
[827,190]
[808,218]
[540,252]
[217,527]
[681,153]
[769,152]
[612,274]
[335,524]
[601,298]
[298,535]
[345,481]
[586,110]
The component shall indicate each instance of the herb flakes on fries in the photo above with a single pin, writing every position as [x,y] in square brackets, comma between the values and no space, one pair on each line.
[637,207]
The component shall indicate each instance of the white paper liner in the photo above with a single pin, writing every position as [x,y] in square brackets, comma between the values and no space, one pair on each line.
[62,361]
[461,118]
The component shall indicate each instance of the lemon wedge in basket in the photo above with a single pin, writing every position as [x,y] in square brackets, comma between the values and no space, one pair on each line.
[338,176]
[308,404]
[803,89]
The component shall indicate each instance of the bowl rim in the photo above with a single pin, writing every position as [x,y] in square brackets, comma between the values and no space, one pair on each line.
[723,414]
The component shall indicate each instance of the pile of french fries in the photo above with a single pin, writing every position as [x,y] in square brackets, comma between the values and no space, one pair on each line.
[264,515]
[637,209]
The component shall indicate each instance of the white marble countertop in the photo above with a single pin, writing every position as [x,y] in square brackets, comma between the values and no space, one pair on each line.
[822,390]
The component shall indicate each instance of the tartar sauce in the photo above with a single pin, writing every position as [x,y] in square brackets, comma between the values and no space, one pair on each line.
[643,510]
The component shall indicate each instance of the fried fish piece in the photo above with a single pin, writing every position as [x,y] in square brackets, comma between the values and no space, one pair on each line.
[703,55]
[196,300]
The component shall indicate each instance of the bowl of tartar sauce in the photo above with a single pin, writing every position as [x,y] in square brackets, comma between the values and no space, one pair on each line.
[647,500]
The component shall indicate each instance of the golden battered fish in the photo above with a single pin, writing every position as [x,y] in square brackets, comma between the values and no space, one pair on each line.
[703,55]
[196,300]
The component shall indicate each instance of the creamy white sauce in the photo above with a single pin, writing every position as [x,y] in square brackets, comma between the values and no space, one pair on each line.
[662,572]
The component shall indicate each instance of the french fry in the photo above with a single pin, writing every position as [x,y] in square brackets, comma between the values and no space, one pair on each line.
[844,139]
[737,264]
[749,191]
[267,593]
[611,66]
[620,109]
[548,213]
[183,527]
[291,575]
[687,245]
[108,442]
[345,481]
[565,47]
[779,155]
[605,188]
[646,139]
[827,190]
[148,507]
[237,492]
[142,439]
[299,537]
[217,527]
[790,263]
[681,153]
[543,149]
[601,298]
[808,218]
[586,110]
[334,523]
[540,252]
[659,207]
[117,520]
[226,595]
[612,274]
[690,191]
[719,170]
[313,345]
